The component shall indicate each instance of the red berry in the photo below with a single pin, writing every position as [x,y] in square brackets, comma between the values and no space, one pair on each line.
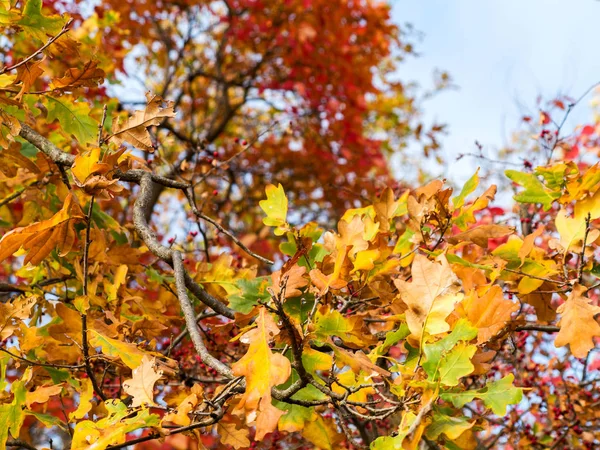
[215,192]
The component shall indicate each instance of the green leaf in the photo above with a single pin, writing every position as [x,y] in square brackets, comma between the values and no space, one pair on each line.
[434,353]
[37,25]
[457,364]
[74,119]
[467,189]
[12,415]
[47,419]
[535,191]
[452,427]
[129,353]
[275,207]
[395,442]
[251,293]
[392,338]
[496,395]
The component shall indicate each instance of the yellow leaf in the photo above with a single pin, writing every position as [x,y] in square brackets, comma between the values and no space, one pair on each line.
[129,353]
[295,280]
[572,230]
[181,416]
[85,400]
[141,385]
[578,327]
[275,207]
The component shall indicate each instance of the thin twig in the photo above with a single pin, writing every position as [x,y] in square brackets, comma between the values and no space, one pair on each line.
[65,28]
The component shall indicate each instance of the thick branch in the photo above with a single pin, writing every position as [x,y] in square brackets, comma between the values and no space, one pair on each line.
[142,203]
[190,320]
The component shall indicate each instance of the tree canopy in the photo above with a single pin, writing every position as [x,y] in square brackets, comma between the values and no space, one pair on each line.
[230,262]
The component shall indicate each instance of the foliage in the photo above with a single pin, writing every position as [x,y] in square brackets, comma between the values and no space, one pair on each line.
[421,318]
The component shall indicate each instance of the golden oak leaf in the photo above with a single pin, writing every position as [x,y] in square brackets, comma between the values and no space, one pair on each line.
[92,175]
[263,369]
[134,130]
[480,235]
[385,209]
[323,433]
[295,280]
[267,418]
[89,75]
[323,282]
[85,400]
[578,327]
[181,416]
[40,238]
[18,309]
[42,394]
[234,434]
[10,127]
[141,385]
[430,296]
[572,231]
[489,313]
[27,74]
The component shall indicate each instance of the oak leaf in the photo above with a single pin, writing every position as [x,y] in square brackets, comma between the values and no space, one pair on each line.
[40,238]
[578,327]
[489,312]
[263,369]
[430,296]
[141,385]
[233,434]
[135,129]
[295,281]
[89,75]
[480,235]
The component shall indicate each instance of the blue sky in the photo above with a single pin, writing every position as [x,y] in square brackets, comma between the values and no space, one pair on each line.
[502,55]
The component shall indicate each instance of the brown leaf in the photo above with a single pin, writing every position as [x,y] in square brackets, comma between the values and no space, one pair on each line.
[578,327]
[27,74]
[134,130]
[295,280]
[480,235]
[90,75]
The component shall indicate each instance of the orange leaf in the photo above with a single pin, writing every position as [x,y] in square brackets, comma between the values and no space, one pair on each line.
[578,327]
[263,369]
[40,238]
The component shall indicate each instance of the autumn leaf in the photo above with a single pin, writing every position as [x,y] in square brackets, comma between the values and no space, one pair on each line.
[27,74]
[262,369]
[578,327]
[275,207]
[128,353]
[135,129]
[535,191]
[40,238]
[181,416]
[480,235]
[430,296]
[12,311]
[231,433]
[294,281]
[85,400]
[488,312]
[42,394]
[90,75]
[141,385]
